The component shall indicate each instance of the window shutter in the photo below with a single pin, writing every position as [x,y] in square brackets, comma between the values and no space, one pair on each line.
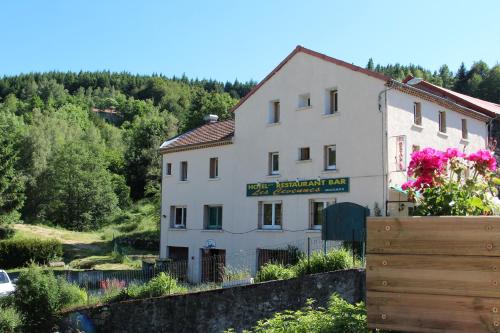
[259,215]
[464,129]
[172,216]
[444,122]
[311,213]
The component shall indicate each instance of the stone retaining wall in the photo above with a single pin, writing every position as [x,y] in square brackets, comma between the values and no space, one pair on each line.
[216,310]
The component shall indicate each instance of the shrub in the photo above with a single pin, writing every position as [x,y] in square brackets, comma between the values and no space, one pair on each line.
[10,320]
[320,262]
[160,285]
[37,299]
[272,271]
[19,252]
[339,317]
[6,232]
[71,294]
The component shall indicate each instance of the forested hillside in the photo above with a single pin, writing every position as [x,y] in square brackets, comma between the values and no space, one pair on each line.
[61,164]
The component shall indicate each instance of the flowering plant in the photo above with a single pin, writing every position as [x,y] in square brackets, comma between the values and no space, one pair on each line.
[453,183]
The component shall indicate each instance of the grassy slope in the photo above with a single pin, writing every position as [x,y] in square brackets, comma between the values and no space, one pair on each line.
[87,250]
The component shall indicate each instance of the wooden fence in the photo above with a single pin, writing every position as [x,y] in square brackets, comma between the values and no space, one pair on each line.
[433,274]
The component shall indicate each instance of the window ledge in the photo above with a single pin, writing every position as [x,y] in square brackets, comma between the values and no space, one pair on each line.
[273,176]
[214,179]
[212,230]
[417,127]
[183,181]
[464,141]
[328,115]
[269,230]
[177,229]
[330,171]
[442,134]
[303,161]
[314,231]
[273,124]
[302,108]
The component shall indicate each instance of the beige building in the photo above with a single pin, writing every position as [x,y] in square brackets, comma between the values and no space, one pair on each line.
[315,131]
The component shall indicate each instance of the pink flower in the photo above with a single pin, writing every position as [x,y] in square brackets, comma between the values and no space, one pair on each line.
[407,185]
[484,159]
[427,163]
[453,153]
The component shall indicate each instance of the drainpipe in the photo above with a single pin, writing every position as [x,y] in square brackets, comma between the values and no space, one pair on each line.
[381,109]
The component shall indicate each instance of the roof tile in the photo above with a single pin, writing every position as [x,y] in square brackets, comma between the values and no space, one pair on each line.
[207,133]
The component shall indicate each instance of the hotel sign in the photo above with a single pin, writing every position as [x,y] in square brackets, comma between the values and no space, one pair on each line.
[311,186]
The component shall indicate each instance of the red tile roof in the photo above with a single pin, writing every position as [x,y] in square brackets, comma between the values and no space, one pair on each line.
[317,55]
[485,107]
[205,134]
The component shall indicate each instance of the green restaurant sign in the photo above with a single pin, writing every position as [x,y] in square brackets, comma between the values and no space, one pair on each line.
[310,186]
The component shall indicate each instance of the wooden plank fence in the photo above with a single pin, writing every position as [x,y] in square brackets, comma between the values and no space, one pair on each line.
[433,274]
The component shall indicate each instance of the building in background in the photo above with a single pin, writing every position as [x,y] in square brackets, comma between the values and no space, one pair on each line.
[315,131]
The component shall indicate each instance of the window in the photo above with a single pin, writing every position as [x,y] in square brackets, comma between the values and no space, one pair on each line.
[417,113]
[274,163]
[316,212]
[214,168]
[270,215]
[184,171]
[331,157]
[213,217]
[442,121]
[274,112]
[465,132]
[178,216]
[304,101]
[168,169]
[304,154]
[333,101]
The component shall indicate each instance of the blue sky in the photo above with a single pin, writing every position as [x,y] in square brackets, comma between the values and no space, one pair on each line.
[225,40]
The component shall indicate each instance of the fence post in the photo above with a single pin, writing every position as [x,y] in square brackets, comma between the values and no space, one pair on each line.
[308,254]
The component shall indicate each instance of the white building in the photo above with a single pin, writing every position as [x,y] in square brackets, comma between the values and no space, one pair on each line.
[314,120]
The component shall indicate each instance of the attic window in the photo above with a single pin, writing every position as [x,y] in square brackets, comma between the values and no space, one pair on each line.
[304,101]
[274,112]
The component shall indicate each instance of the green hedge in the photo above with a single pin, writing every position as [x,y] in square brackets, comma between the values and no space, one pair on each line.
[20,252]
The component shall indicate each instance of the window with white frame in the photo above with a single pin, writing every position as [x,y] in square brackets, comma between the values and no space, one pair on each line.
[271,214]
[442,121]
[178,216]
[333,101]
[304,101]
[184,171]
[465,132]
[274,163]
[214,168]
[317,212]
[274,112]
[331,157]
[304,154]
[168,169]
[417,113]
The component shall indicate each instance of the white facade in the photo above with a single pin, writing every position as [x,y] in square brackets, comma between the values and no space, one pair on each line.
[364,130]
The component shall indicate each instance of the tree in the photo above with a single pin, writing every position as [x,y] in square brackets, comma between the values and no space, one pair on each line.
[11,179]
[77,188]
[370,65]
[142,161]
[461,79]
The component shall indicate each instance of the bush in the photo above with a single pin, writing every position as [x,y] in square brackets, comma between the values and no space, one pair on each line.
[162,284]
[339,317]
[71,294]
[6,232]
[320,262]
[10,320]
[37,299]
[19,252]
[270,271]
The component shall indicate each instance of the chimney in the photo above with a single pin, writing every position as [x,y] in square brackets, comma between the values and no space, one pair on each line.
[211,118]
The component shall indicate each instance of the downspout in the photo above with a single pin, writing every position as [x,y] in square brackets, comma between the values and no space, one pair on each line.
[381,109]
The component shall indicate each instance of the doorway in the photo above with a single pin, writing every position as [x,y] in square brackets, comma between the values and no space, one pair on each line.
[212,265]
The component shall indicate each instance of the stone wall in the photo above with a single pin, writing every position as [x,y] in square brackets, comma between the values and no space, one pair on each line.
[216,310]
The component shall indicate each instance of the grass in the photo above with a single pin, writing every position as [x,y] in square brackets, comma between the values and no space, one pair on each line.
[94,249]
